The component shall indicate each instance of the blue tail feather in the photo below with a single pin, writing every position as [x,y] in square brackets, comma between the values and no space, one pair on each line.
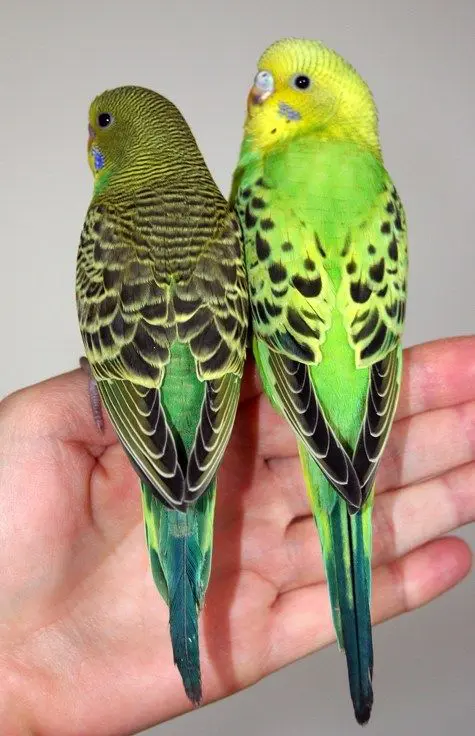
[346,548]
[180,545]
[184,601]
[354,607]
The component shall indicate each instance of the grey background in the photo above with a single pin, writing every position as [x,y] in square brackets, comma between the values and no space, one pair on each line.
[419,59]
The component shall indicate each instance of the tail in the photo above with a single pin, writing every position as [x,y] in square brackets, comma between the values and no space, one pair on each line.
[180,545]
[346,548]
[184,603]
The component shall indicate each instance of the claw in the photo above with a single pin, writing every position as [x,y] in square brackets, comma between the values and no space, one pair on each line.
[94,396]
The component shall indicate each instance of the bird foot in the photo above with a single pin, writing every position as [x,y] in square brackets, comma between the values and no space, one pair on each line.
[94,396]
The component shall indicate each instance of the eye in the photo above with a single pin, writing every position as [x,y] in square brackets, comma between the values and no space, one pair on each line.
[301,81]
[104,119]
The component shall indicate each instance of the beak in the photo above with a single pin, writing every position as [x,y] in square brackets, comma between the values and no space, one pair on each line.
[257,96]
[261,90]
[92,135]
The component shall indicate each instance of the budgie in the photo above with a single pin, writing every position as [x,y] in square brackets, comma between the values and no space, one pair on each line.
[326,254]
[163,311]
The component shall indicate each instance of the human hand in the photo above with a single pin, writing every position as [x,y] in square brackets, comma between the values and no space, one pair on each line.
[84,642]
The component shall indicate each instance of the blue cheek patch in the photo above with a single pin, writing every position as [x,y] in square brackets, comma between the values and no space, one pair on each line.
[99,160]
[288,112]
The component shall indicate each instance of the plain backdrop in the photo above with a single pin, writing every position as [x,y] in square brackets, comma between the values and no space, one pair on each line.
[418,57]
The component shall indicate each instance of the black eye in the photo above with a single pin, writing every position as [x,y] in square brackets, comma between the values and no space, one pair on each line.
[104,119]
[301,81]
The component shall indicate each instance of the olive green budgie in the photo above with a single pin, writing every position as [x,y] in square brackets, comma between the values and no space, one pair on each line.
[325,246]
[162,304]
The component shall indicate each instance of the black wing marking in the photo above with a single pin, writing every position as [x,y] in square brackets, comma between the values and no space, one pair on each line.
[141,425]
[216,422]
[302,409]
[381,402]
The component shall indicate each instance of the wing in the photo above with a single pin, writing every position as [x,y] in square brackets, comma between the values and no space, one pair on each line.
[372,295]
[289,380]
[135,298]
[291,294]
[216,330]
[383,392]
[302,409]
[216,422]
[372,299]
[291,301]
[141,425]
[127,324]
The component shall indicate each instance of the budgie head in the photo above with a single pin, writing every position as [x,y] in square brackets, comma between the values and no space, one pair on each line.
[303,87]
[133,130]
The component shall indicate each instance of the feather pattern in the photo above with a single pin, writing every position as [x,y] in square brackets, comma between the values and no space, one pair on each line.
[162,304]
[381,402]
[326,253]
[185,600]
[300,406]
[131,310]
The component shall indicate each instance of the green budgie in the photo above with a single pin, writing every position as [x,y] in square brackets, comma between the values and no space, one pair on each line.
[325,246]
[162,304]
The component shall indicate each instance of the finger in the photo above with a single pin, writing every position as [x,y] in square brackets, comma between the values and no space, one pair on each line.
[60,409]
[301,620]
[428,444]
[274,437]
[402,521]
[437,374]
[251,385]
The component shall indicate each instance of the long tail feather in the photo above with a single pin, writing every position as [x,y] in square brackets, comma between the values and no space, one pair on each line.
[180,545]
[184,601]
[346,548]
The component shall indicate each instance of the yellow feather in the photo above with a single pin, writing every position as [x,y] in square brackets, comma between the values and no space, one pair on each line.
[338,105]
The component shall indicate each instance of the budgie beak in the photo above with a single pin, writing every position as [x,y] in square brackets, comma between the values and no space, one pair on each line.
[261,90]
[92,135]
[90,149]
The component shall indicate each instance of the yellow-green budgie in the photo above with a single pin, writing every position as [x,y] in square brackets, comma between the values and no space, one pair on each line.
[162,305]
[325,246]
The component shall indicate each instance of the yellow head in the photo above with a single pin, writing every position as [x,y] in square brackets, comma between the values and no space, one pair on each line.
[303,87]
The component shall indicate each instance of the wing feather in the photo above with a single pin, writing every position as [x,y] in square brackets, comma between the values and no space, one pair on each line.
[372,295]
[302,409]
[372,298]
[131,310]
[212,436]
[383,392]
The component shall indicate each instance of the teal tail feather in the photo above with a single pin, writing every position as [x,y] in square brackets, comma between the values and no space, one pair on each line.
[353,597]
[180,545]
[346,548]
[184,602]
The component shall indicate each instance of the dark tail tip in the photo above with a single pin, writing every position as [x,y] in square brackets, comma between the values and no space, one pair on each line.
[190,671]
[193,691]
[363,712]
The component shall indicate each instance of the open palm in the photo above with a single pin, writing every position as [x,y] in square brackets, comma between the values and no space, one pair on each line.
[84,644]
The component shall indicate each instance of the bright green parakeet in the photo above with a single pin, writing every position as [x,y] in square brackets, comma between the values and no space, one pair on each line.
[325,246]
[162,305]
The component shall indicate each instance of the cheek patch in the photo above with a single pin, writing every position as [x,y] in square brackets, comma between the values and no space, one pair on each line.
[288,112]
[98,157]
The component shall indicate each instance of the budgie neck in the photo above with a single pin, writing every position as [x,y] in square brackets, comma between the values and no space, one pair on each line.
[164,162]
[152,174]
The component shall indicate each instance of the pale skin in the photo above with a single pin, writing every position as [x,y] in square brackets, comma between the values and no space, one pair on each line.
[84,644]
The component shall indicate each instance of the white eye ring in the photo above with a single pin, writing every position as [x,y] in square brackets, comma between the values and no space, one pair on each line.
[264,81]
